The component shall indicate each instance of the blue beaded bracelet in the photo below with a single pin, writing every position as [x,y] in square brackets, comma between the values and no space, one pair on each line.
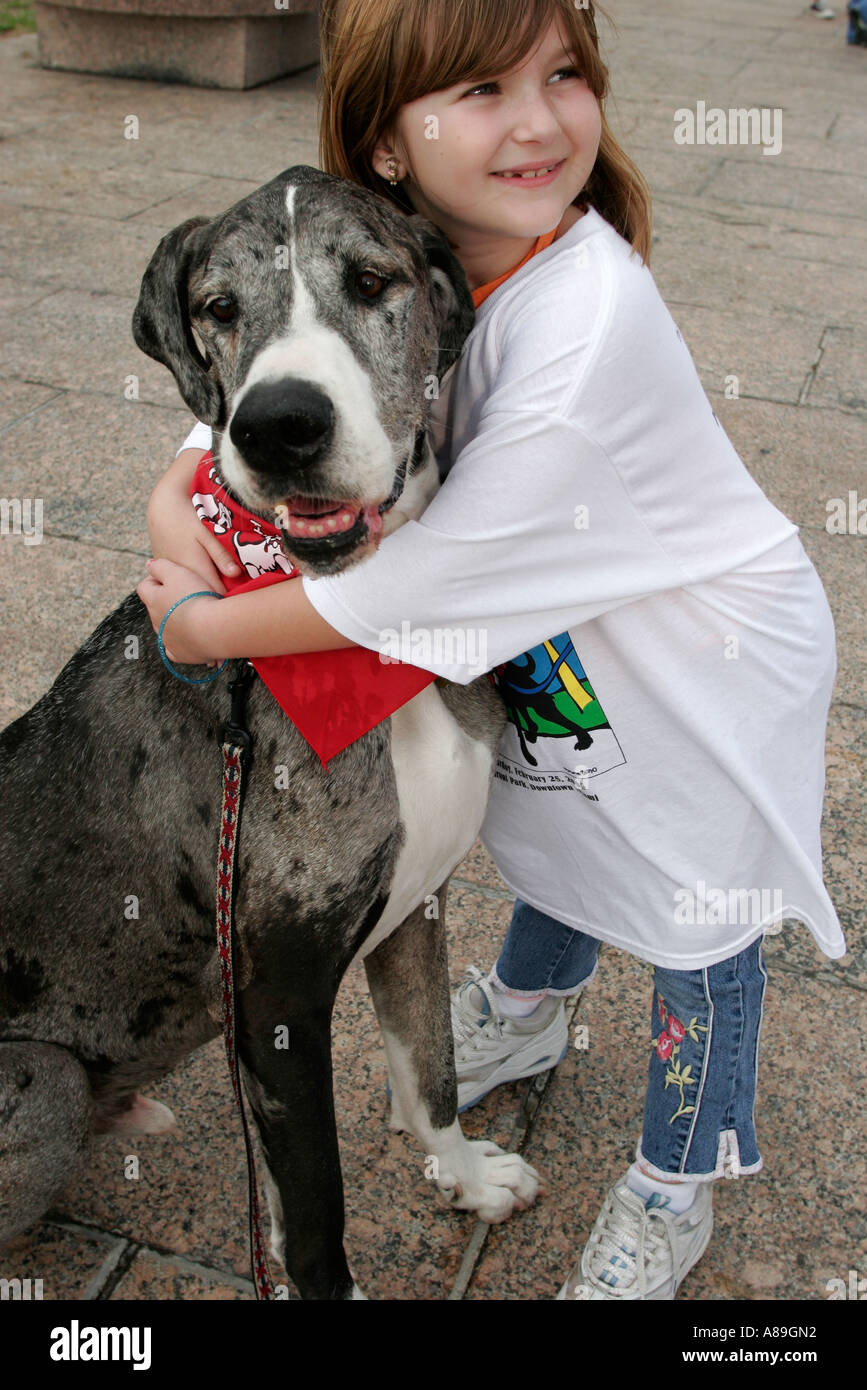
[188,680]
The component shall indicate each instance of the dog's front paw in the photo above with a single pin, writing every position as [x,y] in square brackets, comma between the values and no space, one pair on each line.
[489,1182]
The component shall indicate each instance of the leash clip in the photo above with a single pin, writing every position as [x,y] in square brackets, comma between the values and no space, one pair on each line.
[235,729]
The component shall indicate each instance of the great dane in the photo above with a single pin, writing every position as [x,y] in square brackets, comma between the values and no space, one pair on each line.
[305,324]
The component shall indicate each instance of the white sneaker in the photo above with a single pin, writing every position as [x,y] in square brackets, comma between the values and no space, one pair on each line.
[640,1250]
[822,10]
[491,1049]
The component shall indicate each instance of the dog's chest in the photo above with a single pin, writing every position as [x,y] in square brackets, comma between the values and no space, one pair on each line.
[442,776]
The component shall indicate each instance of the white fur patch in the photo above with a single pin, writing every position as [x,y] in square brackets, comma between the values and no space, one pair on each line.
[308,349]
[472,1175]
[442,777]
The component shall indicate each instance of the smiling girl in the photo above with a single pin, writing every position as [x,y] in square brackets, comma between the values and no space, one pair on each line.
[661,640]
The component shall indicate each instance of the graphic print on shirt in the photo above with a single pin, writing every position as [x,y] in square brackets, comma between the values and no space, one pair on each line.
[558,727]
[258,552]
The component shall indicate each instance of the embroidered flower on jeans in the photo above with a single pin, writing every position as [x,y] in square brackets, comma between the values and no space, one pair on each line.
[667,1044]
[663,1047]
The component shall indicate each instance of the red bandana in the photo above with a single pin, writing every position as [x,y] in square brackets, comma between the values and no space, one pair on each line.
[331,697]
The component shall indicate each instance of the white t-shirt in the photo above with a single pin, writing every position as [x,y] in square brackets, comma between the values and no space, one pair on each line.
[664,644]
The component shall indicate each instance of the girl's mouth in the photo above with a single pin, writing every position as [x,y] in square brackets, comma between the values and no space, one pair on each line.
[531,178]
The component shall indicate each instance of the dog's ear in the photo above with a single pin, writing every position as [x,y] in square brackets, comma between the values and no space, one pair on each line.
[450,293]
[161,322]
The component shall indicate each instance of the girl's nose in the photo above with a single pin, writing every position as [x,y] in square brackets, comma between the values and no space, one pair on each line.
[534,119]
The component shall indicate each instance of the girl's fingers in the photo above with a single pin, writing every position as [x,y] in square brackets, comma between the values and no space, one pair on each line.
[218,553]
[209,572]
[158,570]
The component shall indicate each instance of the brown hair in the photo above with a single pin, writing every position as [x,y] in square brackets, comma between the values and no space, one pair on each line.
[378,55]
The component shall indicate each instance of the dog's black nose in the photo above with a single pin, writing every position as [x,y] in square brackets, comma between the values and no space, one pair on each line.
[281,425]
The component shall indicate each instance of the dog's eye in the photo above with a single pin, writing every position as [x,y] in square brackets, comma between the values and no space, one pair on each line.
[223,309]
[369,284]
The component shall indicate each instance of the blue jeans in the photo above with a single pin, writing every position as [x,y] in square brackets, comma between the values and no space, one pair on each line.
[706,1025]
[857,11]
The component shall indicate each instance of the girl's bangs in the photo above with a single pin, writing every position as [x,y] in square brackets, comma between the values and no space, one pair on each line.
[474,40]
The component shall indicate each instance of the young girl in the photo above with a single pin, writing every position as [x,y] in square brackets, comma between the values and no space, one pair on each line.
[662,642]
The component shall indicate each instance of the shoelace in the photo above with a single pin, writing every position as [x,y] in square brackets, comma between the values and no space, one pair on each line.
[625,1230]
[466,1023]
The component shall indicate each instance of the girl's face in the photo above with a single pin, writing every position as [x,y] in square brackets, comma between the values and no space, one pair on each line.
[456,165]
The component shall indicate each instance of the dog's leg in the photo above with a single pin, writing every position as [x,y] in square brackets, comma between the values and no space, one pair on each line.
[408,977]
[44,1129]
[285,1047]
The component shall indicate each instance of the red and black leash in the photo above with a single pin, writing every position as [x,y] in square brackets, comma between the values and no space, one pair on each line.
[236,743]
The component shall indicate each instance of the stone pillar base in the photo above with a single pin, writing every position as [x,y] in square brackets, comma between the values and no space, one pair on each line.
[200,48]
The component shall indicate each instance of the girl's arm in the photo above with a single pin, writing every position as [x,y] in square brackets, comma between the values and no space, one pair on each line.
[277,621]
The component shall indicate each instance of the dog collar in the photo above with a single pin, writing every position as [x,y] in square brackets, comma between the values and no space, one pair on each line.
[331,697]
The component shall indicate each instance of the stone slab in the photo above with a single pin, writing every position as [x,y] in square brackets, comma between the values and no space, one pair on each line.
[70,1260]
[93,461]
[799,455]
[155,1276]
[840,380]
[37,637]
[223,51]
[843,195]
[110,257]
[83,341]
[769,357]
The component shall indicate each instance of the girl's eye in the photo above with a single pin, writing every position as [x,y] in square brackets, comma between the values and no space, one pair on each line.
[571,72]
[369,284]
[222,308]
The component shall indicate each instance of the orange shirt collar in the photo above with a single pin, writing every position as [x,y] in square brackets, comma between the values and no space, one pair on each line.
[481,294]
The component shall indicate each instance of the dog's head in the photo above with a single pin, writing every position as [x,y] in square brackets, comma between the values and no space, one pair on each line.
[308,325]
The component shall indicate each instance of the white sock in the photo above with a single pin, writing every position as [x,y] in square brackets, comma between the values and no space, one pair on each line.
[681,1195]
[512,1006]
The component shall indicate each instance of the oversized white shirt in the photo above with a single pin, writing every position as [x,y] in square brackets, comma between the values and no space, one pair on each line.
[663,643]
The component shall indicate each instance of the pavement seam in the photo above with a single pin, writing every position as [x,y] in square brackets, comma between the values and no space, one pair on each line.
[119,1260]
[95,545]
[522,1130]
[820,976]
[34,410]
[813,369]
[176,406]
[111,1271]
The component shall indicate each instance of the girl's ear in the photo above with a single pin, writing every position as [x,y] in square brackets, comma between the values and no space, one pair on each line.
[450,294]
[161,322]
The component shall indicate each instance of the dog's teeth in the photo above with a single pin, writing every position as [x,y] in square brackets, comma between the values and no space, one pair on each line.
[331,523]
[346,518]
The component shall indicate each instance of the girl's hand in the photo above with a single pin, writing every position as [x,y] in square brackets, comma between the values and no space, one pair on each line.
[176,532]
[186,637]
